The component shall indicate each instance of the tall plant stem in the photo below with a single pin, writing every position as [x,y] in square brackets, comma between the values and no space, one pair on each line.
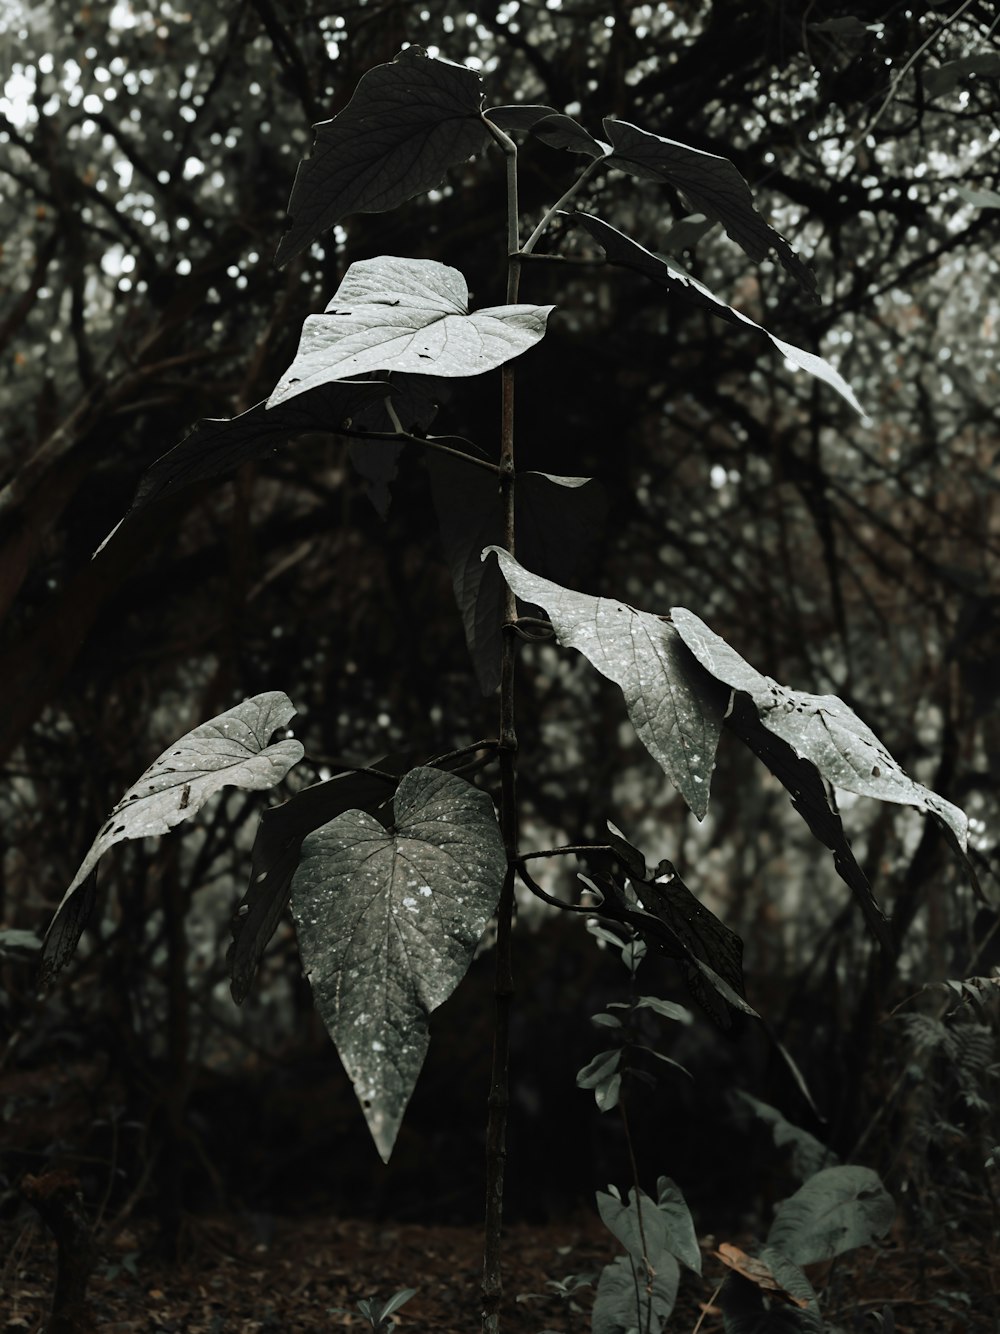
[499,1097]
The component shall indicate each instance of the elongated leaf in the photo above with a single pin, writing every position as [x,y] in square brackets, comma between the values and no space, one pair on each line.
[518,116]
[682,1241]
[556,521]
[818,728]
[808,1154]
[621,249]
[946,77]
[217,446]
[979,198]
[686,234]
[230,750]
[836,1210]
[276,855]
[406,125]
[598,1068]
[615,1303]
[388,921]
[412,315]
[551,126]
[711,184]
[674,709]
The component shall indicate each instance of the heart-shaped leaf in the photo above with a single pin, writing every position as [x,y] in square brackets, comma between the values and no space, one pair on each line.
[674,708]
[622,1221]
[387,922]
[835,1211]
[711,184]
[682,1240]
[230,750]
[406,125]
[621,249]
[412,315]
[276,855]
[615,1309]
[556,521]
[819,728]
[808,1154]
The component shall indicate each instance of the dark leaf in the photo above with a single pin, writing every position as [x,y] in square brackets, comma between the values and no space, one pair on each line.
[615,1304]
[556,521]
[712,186]
[946,77]
[412,315]
[406,125]
[377,462]
[230,750]
[276,855]
[674,709]
[559,131]
[682,1240]
[622,1221]
[519,116]
[621,249]
[808,1154]
[686,234]
[387,923]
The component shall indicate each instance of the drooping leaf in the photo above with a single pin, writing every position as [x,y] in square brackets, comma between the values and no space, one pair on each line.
[18,945]
[414,403]
[217,446]
[686,234]
[387,922]
[615,1303]
[412,315]
[275,856]
[556,521]
[819,728]
[674,709]
[518,116]
[979,198]
[230,750]
[808,1154]
[835,1211]
[621,249]
[682,1240]
[711,184]
[551,126]
[802,781]
[599,1067]
[377,462]
[408,122]
[944,78]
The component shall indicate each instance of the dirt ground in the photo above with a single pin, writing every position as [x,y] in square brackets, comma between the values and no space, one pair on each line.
[241,1275]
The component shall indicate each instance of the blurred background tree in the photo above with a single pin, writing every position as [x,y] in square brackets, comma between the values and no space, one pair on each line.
[146,153]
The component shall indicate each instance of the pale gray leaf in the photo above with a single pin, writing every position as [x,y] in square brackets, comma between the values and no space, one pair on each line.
[819,728]
[411,315]
[673,707]
[836,1211]
[387,922]
[622,1221]
[230,750]
[682,1240]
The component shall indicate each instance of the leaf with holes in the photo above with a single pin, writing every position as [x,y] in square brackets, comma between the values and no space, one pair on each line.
[387,922]
[674,706]
[408,122]
[621,249]
[819,728]
[711,184]
[228,751]
[392,314]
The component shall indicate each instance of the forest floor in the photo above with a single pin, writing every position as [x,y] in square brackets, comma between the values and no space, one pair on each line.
[238,1275]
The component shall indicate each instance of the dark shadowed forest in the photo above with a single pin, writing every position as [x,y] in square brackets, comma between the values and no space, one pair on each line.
[787,1031]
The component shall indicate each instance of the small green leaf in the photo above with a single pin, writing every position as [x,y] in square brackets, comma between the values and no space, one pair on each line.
[387,923]
[410,315]
[406,125]
[607,1092]
[836,1211]
[668,1009]
[230,750]
[597,1068]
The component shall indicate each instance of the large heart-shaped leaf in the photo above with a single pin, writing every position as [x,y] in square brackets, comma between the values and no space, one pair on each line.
[711,184]
[622,1221]
[406,125]
[835,1211]
[819,728]
[387,922]
[621,249]
[682,1240]
[230,750]
[615,1310]
[555,523]
[674,707]
[392,314]
[275,856]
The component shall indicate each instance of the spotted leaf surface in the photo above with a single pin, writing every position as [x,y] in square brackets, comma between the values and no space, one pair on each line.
[228,751]
[819,728]
[411,315]
[674,707]
[388,921]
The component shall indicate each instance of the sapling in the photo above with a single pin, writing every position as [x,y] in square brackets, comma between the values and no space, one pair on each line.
[394,872]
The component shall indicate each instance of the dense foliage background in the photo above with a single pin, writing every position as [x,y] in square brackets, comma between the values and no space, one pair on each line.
[147,152]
